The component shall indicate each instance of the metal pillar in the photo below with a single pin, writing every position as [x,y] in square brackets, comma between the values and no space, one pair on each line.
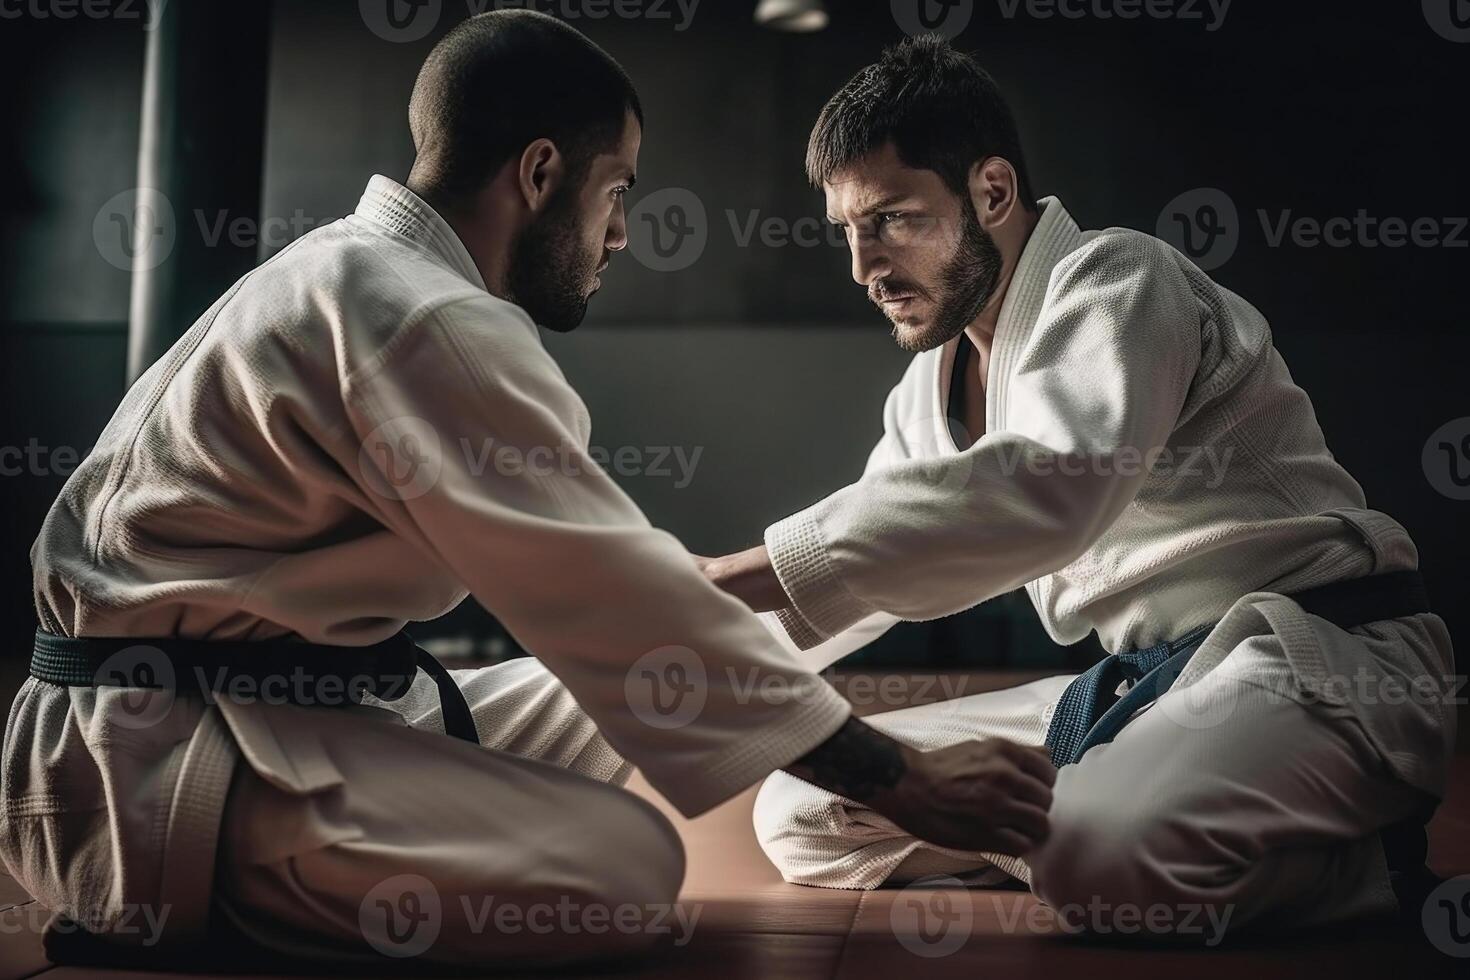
[200,158]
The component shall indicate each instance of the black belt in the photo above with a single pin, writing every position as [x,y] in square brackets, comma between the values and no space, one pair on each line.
[284,671]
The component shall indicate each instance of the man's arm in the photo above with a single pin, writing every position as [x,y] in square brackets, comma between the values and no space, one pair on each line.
[990,795]
[749,577]
[682,680]
[1112,359]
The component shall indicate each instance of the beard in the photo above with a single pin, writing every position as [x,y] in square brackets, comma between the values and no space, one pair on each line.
[551,273]
[966,284]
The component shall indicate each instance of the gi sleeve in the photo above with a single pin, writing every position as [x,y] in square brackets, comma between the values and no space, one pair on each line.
[791,626]
[476,448]
[1099,385]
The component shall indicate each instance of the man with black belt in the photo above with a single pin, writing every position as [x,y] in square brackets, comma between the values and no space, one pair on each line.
[225,746]
[1091,417]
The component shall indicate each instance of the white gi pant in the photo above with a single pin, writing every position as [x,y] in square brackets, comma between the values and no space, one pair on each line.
[1234,798]
[417,845]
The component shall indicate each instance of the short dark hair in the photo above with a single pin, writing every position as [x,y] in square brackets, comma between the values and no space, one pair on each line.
[503,79]
[938,107]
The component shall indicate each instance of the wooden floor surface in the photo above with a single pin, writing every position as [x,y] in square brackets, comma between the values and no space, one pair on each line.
[753,925]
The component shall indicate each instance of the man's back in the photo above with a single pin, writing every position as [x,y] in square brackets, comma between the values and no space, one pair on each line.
[242,433]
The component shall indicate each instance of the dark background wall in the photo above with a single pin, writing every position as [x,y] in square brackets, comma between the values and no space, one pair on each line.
[761,353]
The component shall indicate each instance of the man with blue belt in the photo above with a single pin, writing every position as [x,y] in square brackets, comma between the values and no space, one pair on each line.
[1090,416]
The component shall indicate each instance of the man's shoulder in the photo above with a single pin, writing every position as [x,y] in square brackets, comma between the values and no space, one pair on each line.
[1111,253]
[382,281]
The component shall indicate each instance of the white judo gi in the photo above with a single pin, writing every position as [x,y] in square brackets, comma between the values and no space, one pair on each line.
[355,436]
[1148,466]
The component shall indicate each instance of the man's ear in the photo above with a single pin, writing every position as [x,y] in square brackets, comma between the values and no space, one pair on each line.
[542,169]
[994,190]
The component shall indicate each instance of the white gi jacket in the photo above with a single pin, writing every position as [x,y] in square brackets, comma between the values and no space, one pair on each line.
[1147,466]
[321,454]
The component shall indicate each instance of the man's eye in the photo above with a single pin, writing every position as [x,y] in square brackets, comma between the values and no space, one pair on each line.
[888,217]
[620,191]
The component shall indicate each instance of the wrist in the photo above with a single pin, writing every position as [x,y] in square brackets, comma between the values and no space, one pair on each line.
[908,792]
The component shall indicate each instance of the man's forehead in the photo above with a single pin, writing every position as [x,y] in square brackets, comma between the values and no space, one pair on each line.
[623,158]
[866,185]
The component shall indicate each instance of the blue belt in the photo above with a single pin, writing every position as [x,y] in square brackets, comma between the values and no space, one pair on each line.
[1087,714]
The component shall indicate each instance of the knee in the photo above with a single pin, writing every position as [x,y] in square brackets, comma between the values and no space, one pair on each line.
[804,831]
[614,895]
[1127,865]
[628,902]
[643,861]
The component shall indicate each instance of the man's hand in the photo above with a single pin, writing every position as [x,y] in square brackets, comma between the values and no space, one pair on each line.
[749,577]
[990,795]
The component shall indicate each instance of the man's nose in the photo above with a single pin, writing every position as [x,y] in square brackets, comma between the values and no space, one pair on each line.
[617,229]
[869,261]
